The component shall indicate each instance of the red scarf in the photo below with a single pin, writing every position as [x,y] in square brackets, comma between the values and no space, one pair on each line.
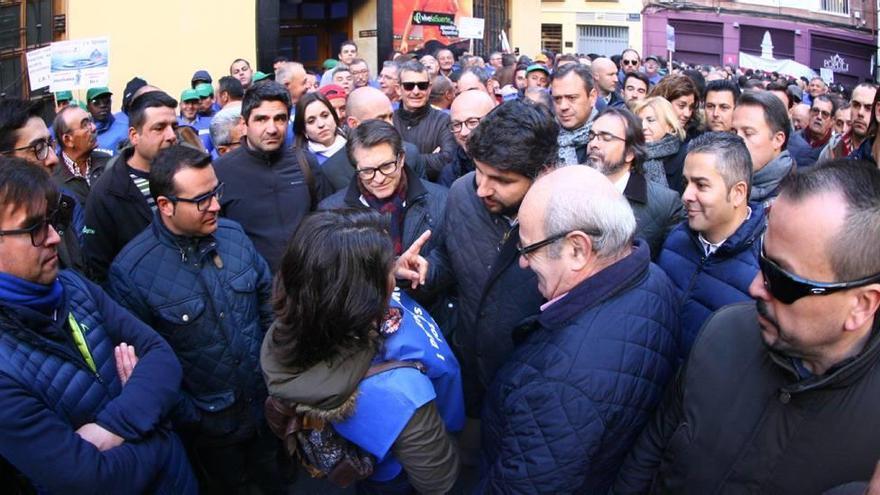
[392,205]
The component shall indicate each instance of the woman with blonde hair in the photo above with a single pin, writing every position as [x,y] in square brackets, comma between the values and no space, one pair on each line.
[664,137]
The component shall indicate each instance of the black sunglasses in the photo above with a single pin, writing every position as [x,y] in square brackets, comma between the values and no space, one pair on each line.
[422,85]
[788,288]
[629,62]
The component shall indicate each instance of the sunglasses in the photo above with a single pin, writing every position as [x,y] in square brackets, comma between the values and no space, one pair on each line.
[422,85]
[788,288]
[824,113]
[629,62]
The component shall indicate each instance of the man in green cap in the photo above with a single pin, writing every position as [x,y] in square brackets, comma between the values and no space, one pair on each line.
[110,133]
[189,108]
[259,76]
[206,100]
[62,99]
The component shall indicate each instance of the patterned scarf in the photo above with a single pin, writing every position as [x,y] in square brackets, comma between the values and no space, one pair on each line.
[569,141]
[394,206]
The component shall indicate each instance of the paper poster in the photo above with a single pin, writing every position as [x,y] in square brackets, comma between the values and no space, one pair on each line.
[471,27]
[80,64]
[39,65]
[670,38]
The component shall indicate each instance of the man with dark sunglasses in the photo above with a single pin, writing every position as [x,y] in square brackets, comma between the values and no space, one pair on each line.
[781,395]
[197,279]
[24,134]
[419,123]
[87,388]
[630,61]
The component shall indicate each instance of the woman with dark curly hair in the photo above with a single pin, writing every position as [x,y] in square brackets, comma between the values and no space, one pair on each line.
[338,315]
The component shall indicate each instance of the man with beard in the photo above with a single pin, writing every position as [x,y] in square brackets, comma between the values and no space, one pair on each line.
[476,251]
[188,257]
[617,149]
[76,135]
[861,106]
[781,396]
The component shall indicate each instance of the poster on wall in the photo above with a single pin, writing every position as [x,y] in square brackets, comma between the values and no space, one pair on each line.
[80,64]
[416,22]
[39,67]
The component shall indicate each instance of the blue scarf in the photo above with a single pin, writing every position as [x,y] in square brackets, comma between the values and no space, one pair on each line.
[39,297]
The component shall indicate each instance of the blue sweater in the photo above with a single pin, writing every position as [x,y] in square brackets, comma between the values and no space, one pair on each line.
[706,283]
[47,392]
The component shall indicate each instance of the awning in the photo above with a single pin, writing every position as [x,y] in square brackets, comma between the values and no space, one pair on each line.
[787,67]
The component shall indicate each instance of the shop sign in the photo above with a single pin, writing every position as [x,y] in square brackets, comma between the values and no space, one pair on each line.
[432,18]
[836,63]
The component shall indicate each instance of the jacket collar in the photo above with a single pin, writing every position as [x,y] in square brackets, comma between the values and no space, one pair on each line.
[602,286]
[414,189]
[636,188]
[186,246]
[270,157]
[748,233]
[121,182]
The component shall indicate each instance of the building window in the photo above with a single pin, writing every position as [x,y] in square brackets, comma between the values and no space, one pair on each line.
[24,26]
[836,6]
[551,37]
[604,40]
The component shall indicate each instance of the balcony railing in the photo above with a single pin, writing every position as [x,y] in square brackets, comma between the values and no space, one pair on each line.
[835,6]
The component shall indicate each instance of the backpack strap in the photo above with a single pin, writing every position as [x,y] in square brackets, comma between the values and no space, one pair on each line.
[392,365]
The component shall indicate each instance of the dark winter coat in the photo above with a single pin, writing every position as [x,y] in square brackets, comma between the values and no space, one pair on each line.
[427,129]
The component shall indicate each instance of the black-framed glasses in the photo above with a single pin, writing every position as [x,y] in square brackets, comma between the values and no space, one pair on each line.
[788,288]
[202,202]
[385,169]
[39,231]
[825,113]
[40,148]
[603,136]
[422,85]
[471,124]
[629,62]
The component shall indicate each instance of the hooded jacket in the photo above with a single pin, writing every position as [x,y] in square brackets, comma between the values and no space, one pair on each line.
[399,416]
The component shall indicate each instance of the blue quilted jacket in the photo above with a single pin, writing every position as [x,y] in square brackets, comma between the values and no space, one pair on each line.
[210,298]
[706,283]
[582,383]
[47,392]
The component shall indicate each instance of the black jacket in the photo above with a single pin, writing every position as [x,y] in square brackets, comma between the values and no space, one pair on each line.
[657,209]
[739,420]
[477,253]
[425,203]
[428,128]
[268,195]
[116,212]
[62,177]
[339,170]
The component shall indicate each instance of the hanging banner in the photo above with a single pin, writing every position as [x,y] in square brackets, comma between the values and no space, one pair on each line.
[39,65]
[80,64]
[416,22]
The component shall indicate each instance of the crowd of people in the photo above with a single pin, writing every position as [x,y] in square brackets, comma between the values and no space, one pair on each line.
[447,274]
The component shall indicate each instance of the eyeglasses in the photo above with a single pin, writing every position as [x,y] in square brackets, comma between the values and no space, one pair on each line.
[471,124]
[385,169]
[39,231]
[603,136]
[202,202]
[39,148]
[422,85]
[629,62]
[824,113]
[788,288]
[525,251]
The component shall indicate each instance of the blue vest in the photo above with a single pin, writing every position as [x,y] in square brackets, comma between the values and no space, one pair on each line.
[387,401]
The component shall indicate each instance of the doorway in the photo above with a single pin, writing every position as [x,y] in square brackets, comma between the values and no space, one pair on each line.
[311,32]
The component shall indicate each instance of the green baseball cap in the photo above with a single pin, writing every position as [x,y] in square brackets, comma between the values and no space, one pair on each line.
[205,90]
[189,94]
[77,103]
[63,96]
[93,93]
[534,67]
[330,63]
[259,76]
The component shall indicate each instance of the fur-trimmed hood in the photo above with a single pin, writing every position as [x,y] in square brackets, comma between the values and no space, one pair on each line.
[326,390]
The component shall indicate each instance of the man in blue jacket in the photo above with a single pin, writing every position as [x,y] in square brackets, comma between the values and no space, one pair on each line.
[197,279]
[85,388]
[713,256]
[590,368]
[111,131]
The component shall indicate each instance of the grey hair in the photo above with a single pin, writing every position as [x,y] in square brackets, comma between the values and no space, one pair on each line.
[732,158]
[569,209]
[285,71]
[480,72]
[222,124]
[392,65]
